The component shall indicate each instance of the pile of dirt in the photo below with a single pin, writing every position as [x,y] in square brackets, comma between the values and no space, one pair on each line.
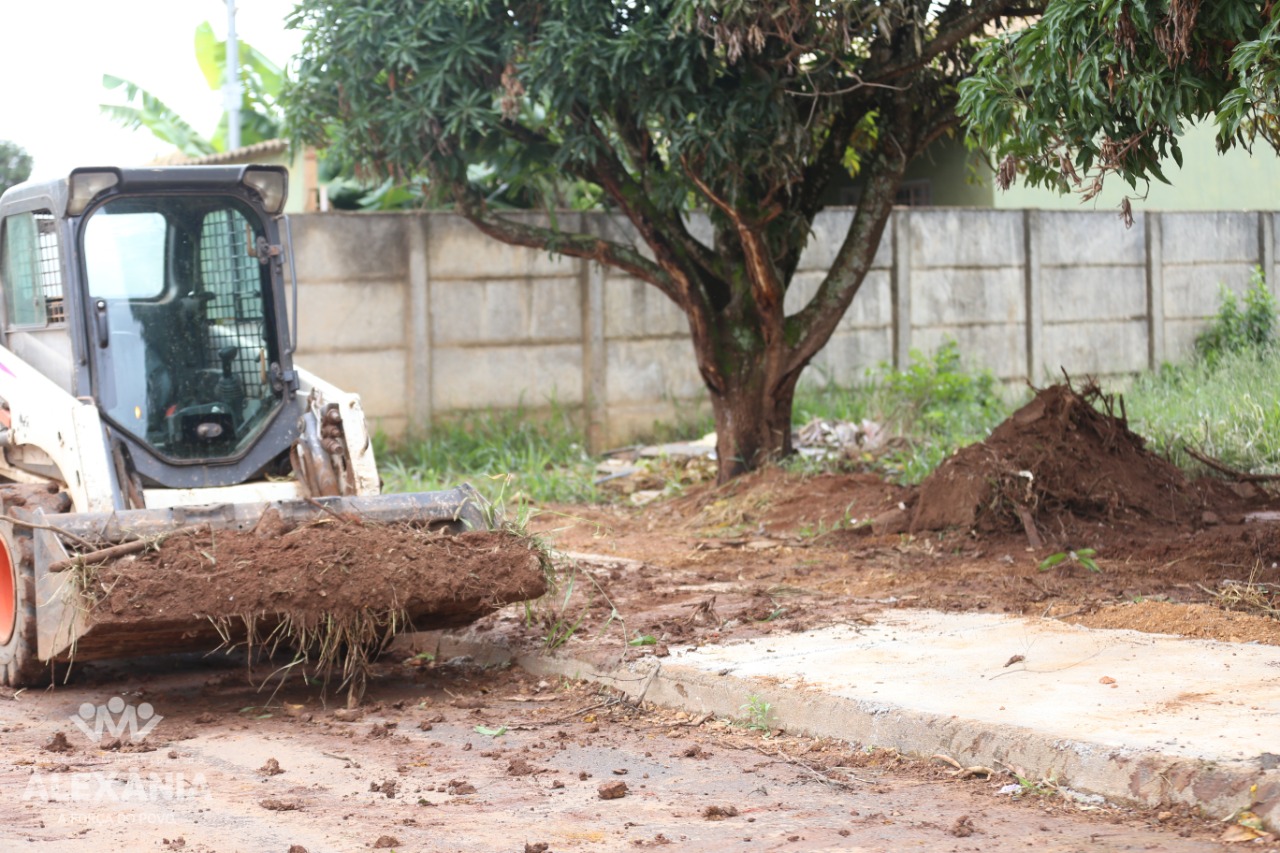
[1064,457]
[322,571]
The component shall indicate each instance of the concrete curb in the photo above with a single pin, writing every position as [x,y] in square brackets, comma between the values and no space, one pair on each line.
[1143,776]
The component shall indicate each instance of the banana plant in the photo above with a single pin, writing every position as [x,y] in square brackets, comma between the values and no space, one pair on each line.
[260,84]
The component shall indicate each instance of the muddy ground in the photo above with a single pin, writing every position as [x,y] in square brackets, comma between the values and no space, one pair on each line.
[778,551]
[448,756]
[451,757]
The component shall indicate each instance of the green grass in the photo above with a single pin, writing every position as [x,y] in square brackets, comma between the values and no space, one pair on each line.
[1225,402]
[1227,408]
[510,455]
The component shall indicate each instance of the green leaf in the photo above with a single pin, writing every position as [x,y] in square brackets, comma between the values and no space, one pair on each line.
[207,55]
[488,732]
[1089,564]
[1052,560]
[644,640]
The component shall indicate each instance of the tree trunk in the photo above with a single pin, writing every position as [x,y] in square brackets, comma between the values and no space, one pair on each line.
[753,415]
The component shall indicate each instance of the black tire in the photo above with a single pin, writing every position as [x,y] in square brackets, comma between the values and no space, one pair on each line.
[19,665]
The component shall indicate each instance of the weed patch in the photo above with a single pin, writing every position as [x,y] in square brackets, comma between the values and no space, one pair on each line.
[540,459]
[935,405]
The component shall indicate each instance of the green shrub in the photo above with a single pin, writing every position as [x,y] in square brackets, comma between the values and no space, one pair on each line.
[935,404]
[1235,328]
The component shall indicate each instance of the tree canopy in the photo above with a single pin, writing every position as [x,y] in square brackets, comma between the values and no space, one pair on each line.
[1093,89]
[753,111]
[15,164]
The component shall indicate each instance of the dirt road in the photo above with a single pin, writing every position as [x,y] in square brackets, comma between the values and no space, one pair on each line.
[182,754]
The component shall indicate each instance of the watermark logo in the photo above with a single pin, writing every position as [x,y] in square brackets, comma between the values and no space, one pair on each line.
[115,786]
[116,718]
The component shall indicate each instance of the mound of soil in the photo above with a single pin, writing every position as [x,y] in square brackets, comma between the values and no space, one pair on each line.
[1063,458]
[326,570]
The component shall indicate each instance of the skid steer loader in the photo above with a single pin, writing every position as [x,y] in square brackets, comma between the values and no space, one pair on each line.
[147,385]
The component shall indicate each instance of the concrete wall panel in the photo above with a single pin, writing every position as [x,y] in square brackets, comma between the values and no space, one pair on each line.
[1100,348]
[1210,237]
[460,251]
[959,237]
[1083,238]
[871,307]
[827,235]
[636,309]
[502,376]
[1192,291]
[351,316]
[508,323]
[378,376]
[498,311]
[350,247]
[1000,347]
[848,355]
[957,296]
[1093,293]
[652,370]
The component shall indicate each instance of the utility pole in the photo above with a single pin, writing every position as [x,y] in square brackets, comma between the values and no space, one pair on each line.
[231,80]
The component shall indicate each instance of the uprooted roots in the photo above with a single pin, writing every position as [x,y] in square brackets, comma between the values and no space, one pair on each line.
[344,646]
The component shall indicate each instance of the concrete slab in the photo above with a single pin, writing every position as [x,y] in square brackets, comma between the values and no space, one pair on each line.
[1134,717]
[1123,689]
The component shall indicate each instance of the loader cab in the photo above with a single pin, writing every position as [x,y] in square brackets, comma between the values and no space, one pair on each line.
[178,292]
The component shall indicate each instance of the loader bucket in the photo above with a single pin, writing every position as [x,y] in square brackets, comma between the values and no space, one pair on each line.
[198,578]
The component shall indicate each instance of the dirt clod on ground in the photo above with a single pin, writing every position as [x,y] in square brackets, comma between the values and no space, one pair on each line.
[520,767]
[276,805]
[58,743]
[319,571]
[1057,461]
[612,790]
[719,812]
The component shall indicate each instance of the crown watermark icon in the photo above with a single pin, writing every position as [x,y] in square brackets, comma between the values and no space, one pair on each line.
[116,718]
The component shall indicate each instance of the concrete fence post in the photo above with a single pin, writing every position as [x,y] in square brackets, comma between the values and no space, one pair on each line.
[1032,223]
[900,287]
[1267,249]
[1154,234]
[419,350]
[595,364]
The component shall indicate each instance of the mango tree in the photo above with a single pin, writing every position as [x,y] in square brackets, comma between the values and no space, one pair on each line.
[751,110]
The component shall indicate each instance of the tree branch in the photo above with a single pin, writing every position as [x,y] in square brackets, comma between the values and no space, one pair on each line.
[956,31]
[766,286]
[473,208]
[814,324]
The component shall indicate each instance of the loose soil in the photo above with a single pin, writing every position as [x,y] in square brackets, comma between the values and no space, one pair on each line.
[318,572]
[776,551]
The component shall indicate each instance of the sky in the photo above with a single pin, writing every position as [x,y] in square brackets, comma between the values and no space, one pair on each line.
[53,54]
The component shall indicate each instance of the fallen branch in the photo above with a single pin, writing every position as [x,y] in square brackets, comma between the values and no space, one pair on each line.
[58,530]
[1242,476]
[121,550]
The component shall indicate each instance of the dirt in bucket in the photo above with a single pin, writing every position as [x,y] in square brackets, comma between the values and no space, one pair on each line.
[317,571]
